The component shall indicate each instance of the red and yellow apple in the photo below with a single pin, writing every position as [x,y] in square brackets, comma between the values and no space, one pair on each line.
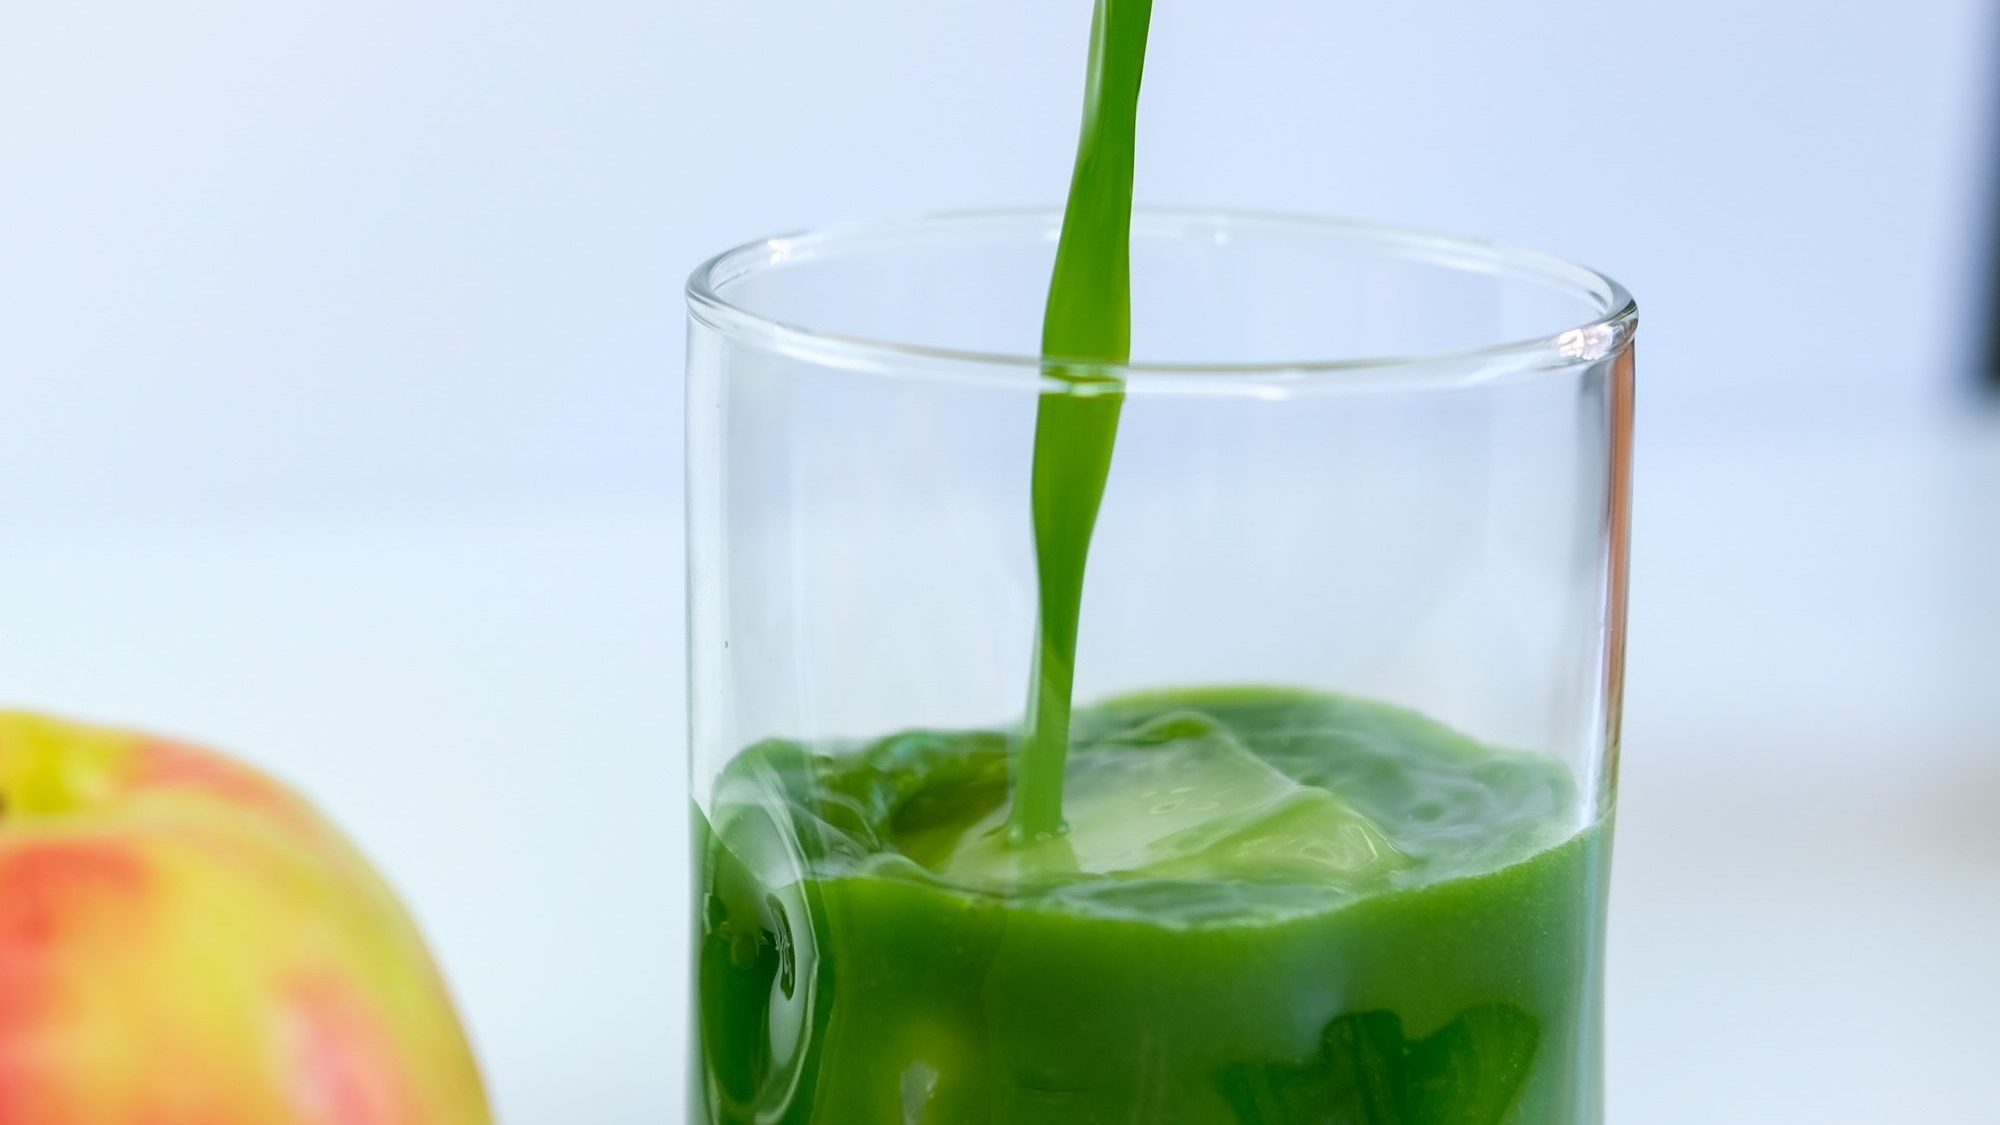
[184,941]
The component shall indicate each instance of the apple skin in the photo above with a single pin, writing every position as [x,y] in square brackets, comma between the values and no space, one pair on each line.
[184,941]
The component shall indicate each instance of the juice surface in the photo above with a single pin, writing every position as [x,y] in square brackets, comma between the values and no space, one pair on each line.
[1274,907]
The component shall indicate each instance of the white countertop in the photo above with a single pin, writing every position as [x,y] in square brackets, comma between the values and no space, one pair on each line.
[1808,862]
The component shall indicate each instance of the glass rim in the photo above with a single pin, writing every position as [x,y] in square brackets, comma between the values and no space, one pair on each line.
[1591,341]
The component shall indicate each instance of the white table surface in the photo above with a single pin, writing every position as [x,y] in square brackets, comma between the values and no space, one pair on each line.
[1807,900]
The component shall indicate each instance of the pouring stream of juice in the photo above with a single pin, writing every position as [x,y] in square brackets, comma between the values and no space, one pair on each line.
[1089,321]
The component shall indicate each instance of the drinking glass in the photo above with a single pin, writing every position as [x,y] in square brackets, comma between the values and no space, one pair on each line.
[1373,479]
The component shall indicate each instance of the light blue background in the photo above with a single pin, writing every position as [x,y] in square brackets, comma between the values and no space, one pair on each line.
[274,258]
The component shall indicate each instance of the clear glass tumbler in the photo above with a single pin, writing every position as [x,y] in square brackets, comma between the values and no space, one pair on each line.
[1342,770]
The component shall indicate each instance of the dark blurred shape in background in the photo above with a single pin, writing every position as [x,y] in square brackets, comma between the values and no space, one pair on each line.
[1988,327]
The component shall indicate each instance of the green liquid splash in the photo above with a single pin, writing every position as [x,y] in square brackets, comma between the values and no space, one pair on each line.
[1089,321]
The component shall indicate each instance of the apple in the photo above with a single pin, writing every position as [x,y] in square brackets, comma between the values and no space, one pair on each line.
[184,941]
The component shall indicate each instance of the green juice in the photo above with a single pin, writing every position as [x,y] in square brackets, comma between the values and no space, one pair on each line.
[1089,321]
[1220,906]
[1273,908]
